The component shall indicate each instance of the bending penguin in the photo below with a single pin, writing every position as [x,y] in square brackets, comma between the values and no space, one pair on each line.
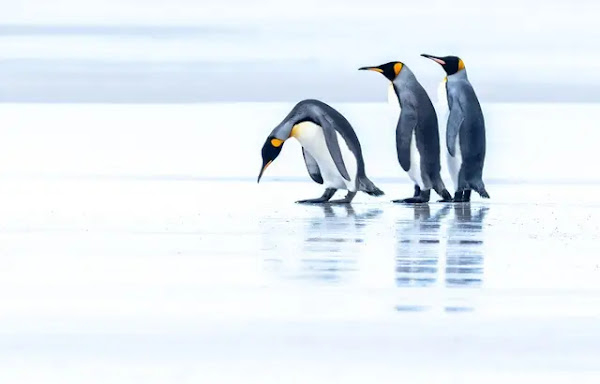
[465,131]
[417,136]
[330,147]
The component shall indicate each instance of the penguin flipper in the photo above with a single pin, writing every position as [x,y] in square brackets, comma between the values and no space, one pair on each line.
[334,150]
[455,121]
[313,167]
[404,132]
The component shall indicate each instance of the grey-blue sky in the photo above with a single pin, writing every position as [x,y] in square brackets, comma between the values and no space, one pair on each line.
[187,50]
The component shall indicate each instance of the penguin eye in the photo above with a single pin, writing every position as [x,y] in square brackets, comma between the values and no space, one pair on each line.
[276,142]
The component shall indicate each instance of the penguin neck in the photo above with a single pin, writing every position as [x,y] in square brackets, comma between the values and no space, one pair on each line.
[458,76]
[290,126]
[404,78]
[404,84]
[284,130]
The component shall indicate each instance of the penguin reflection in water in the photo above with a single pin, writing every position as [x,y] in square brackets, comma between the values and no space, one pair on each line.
[465,131]
[330,147]
[417,136]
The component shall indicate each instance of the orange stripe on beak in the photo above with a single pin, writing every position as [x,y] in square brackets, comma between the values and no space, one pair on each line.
[263,170]
[371,69]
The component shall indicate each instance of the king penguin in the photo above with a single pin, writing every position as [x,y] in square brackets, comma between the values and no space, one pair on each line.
[330,147]
[465,130]
[417,136]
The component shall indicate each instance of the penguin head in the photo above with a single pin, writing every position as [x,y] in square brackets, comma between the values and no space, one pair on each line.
[270,151]
[451,64]
[390,70]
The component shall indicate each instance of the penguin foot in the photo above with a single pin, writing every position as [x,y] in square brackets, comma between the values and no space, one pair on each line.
[345,200]
[422,197]
[412,200]
[328,194]
[462,196]
[417,191]
[312,201]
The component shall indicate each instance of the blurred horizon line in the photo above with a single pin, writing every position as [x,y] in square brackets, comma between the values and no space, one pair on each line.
[213,62]
[146,29]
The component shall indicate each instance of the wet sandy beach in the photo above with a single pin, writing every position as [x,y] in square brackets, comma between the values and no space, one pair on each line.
[112,280]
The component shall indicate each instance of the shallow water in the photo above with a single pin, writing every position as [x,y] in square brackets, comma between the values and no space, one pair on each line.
[128,280]
[136,246]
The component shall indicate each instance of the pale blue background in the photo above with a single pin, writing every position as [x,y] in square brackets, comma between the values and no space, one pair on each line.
[183,50]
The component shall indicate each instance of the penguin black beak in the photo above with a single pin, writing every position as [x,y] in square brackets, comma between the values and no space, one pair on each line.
[270,151]
[376,69]
[434,58]
[262,170]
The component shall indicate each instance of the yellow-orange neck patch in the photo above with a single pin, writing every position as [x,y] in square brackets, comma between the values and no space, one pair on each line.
[295,130]
[398,68]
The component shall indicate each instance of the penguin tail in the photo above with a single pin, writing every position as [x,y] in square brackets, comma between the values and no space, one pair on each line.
[480,188]
[369,188]
[375,192]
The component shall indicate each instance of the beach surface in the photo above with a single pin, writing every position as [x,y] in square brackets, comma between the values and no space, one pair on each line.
[136,246]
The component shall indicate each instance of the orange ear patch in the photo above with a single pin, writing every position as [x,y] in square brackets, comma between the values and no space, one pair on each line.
[461,65]
[398,68]
[276,142]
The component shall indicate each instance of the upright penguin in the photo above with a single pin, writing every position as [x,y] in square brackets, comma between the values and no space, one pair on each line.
[417,136]
[330,147]
[465,132]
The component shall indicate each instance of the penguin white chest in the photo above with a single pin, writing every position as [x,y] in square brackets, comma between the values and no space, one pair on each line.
[442,114]
[443,99]
[312,139]
[454,162]
[414,172]
[393,99]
